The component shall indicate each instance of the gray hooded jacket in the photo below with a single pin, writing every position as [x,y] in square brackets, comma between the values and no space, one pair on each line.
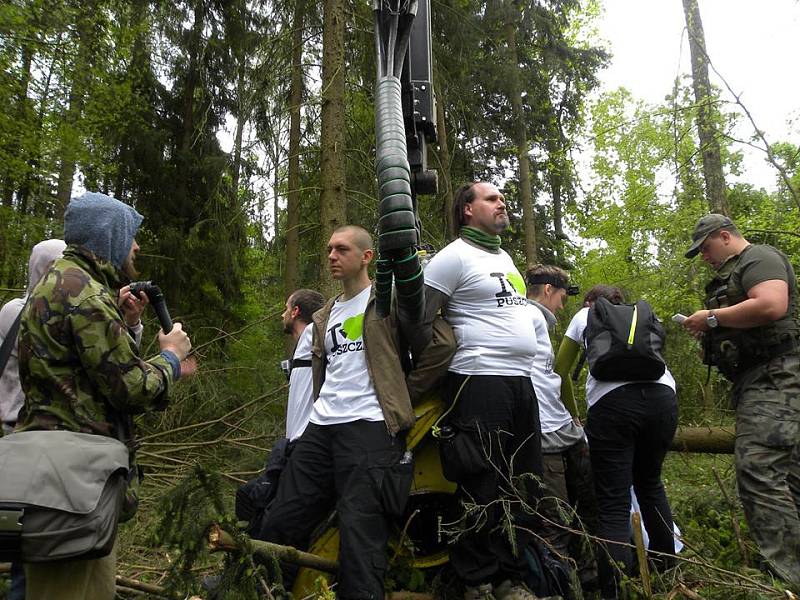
[11,397]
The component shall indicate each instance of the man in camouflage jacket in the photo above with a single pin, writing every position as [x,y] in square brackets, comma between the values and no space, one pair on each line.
[79,363]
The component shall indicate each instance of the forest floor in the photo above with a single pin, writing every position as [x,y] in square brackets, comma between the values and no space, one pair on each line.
[701,489]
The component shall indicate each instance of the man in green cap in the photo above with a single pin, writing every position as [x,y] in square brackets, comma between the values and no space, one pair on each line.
[751,332]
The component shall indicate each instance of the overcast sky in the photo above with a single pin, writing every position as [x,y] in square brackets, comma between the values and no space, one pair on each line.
[754,44]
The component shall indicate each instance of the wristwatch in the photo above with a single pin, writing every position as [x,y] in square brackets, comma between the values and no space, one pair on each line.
[711,320]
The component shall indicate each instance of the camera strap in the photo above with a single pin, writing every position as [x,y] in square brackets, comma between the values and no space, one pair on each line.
[8,343]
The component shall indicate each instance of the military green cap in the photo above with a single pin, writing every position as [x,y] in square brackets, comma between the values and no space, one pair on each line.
[706,226]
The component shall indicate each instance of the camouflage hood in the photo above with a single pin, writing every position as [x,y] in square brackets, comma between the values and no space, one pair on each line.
[103,225]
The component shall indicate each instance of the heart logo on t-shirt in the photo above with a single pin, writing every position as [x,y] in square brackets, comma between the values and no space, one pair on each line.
[516,280]
[353,327]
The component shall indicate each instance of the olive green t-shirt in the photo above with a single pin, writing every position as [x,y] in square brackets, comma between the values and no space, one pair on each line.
[759,264]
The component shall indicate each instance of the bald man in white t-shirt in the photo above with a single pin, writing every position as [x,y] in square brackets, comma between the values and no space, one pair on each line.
[352,454]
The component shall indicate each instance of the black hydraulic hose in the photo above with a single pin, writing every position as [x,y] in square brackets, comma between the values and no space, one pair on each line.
[398,236]
[380,53]
[397,224]
[391,45]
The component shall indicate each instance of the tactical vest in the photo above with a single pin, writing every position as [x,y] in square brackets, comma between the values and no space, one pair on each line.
[734,351]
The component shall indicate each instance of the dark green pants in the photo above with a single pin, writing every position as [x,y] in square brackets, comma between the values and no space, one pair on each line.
[767,400]
[569,504]
[72,579]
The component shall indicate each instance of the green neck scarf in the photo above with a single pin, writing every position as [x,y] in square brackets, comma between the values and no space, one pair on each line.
[483,239]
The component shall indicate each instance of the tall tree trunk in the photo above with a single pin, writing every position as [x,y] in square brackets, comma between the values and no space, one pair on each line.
[31,193]
[706,130]
[556,173]
[332,169]
[192,78]
[241,120]
[23,116]
[521,138]
[277,155]
[443,154]
[555,176]
[81,79]
[291,272]
[242,51]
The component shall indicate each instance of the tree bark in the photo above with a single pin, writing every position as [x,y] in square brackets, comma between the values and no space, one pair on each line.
[291,272]
[241,121]
[219,539]
[81,79]
[706,130]
[332,167]
[443,154]
[521,135]
[192,77]
[711,440]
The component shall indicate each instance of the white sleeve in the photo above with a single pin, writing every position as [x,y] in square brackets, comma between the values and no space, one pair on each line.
[136,333]
[443,272]
[578,325]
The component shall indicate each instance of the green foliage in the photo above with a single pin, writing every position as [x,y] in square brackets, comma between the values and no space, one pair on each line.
[166,85]
[187,511]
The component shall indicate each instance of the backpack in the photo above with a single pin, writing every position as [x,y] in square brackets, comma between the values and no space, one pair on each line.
[547,574]
[254,497]
[624,342]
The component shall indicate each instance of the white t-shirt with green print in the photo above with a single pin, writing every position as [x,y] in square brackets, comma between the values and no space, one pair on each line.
[347,393]
[487,310]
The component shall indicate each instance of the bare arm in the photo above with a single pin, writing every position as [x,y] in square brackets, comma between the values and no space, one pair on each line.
[766,302]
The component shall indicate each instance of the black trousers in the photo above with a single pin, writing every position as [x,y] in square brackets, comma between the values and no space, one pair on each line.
[499,468]
[629,431]
[345,466]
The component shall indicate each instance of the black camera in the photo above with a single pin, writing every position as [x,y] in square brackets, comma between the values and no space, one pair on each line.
[286,367]
[156,298]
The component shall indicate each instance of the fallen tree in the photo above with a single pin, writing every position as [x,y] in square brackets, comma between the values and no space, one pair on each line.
[221,540]
[711,440]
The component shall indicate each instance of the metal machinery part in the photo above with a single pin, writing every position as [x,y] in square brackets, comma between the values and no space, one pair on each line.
[404,124]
